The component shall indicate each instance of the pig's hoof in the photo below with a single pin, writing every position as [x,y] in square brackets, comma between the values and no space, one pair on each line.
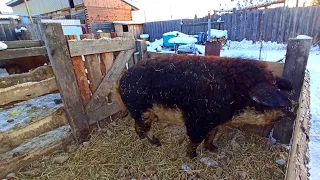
[156,142]
[191,155]
[211,148]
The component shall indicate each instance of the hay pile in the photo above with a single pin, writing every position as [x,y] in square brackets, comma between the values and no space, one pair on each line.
[117,153]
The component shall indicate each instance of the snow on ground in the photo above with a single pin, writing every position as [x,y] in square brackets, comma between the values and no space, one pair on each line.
[3,73]
[24,112]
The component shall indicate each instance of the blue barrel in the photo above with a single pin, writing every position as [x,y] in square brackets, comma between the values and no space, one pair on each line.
[166,40]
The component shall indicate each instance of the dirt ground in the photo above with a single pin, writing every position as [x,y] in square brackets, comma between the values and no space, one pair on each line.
[116,152]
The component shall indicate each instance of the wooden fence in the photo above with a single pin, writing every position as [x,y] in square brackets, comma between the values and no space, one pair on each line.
[7,32]
[276,25]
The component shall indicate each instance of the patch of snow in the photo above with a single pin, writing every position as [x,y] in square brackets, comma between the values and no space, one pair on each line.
[175,33]
[3,72]
[159,42]
[183,40]
[144,36]
[218,33]
[24,112]
[3,46]
[99,31]
[303,37]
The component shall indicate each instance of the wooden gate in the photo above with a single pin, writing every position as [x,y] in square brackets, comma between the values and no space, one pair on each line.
[86,71]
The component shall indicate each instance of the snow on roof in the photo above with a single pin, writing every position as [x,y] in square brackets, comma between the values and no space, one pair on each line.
[5,16]
[304,37]
[127,22]
[183,40]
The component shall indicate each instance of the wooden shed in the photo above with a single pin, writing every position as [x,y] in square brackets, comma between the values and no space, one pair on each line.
[135,28]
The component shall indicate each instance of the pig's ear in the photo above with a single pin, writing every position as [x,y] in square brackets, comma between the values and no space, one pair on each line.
[270,96]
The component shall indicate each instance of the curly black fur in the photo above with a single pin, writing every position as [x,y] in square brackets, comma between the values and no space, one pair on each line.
[208,90]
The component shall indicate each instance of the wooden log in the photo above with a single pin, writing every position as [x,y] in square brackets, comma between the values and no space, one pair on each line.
[294,70]
[92,64]
[97,46]
[141,47]
[15,137]
[16,163]
[80,74]
[299,154]
[106,58]
[23,44]
[103,112]
[66,81]
[36,75]
[296,62]
[22,52]
[22,92]
[99,97]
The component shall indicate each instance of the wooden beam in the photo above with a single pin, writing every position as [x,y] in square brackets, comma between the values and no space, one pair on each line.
[22,92]
[201,23]
[15,137]
[36,75]
[99,97]
[97,46]
[103,112]
[23,44]
[296,63]
[62,67]
[299,153]
[294,70]
[80,74]
[22,52]
[14,164]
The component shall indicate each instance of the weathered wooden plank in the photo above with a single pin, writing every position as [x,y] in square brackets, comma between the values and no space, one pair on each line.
[13,138]
[38,74]
[275,24]
[295,22]
[294,70]
[22,92]
[92,64]
[103,112]
[296,61]
[23,44]
[66,81]
[281,28]
[80,74]
[16,163]
[97,46]
[22,52]
[106,58]
[99,97]
[297,165]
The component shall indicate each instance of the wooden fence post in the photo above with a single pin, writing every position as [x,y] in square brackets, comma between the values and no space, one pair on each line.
[62,67]
[141,47]
[294,70]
